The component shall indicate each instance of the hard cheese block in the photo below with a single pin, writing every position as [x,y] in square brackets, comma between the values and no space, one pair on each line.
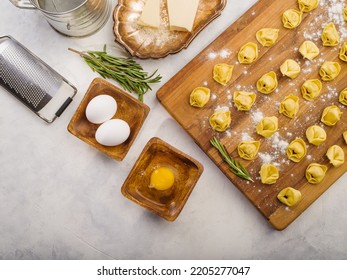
[182,14]
[151,14]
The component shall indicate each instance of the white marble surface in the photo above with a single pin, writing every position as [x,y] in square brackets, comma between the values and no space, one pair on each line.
[61,199]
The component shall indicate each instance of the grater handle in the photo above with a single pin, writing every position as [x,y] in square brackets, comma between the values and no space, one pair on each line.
[23,4]
[63,107]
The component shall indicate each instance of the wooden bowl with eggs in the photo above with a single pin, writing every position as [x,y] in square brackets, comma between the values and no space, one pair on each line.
[111,130]
[162,179]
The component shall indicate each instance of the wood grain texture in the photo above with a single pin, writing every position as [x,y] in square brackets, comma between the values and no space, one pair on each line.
[174,96]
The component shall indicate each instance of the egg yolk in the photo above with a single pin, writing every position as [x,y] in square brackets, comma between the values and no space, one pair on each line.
[162,179]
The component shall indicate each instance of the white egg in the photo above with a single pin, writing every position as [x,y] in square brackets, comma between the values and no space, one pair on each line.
[101,108]
[112,133]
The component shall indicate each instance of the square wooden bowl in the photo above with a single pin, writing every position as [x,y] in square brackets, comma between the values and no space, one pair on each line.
[129,109]
[169,203]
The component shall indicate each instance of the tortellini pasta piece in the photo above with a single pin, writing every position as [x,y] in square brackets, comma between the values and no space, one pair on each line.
[307,5]
[222,73]
[344,135]
[316,135]
[244,100]
[267,83]
[309,50]
[291,18]
[289,107]
[343,52]
[315,173]
[330,36]
[345,13]
[336,155]
[248,53]
[267,37]
[248,150]
[290,68]
[329,70]
[296,150]
[199,97]
[220,119]
[343,97]
[331,115]
[311,89]
[289,196]
[267,126]
[269,174]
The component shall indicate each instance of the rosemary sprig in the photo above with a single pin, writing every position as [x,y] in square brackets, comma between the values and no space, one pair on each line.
[235,166]
[127,72]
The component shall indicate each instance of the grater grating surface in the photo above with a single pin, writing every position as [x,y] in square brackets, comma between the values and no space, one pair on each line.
[27,77]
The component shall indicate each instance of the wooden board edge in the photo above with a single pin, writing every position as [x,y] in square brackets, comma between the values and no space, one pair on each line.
[276,219]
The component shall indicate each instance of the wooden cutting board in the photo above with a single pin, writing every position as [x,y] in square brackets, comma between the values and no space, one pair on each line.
[174,96]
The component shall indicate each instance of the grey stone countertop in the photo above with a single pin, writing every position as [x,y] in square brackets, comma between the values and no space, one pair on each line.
[61,199]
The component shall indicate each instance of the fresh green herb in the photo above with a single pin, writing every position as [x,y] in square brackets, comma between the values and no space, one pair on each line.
[127,72]
[235,166]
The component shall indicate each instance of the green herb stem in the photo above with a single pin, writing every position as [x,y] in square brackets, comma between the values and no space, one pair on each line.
[127,72]
[235,166]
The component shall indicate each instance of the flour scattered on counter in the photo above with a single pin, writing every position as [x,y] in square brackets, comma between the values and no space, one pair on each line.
[257,116]
[224,53]
[279,143]
[205,83]
[245,136]
[212,55]
[266,158]
[213,96]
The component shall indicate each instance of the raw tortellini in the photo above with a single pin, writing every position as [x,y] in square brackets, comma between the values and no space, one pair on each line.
[199,97]
[331,115]
[311,89]
[330,36]
[329,70]
[309,50]
[291,18]
[267,126]
[244,100]
[315,173]
[296,150]
[343,97]
[248,149]
[267,83]
[267,36]
[269,174]
[289,196]
[344,135]
[290,68]
[343,52]
[248,53]
[316,135]
[336,155]
[290,106]
[222,73]
[307,5]
[220,119]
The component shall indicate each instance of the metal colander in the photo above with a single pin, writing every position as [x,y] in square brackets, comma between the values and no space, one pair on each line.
[32,81]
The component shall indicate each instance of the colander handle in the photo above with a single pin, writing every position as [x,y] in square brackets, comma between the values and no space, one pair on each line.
[23,4]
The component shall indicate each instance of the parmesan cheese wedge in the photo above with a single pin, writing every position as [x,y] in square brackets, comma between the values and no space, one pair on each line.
[150,16]
[182,14]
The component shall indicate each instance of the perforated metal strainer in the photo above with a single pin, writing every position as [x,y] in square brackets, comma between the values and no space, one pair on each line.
[32,81]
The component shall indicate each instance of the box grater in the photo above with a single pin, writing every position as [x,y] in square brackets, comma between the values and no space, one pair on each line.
[32,81]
